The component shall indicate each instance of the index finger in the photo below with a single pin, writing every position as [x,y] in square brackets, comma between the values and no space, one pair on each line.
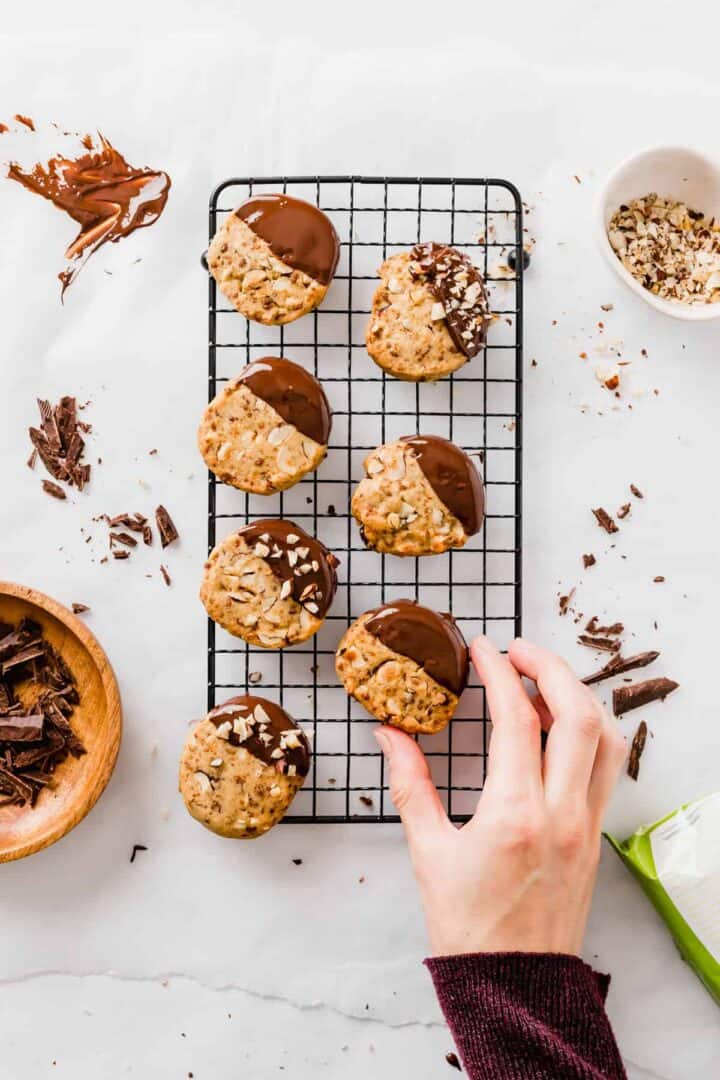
[514,757]
[577,724]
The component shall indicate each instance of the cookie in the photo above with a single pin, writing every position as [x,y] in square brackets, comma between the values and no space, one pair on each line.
[422,495]
[430,315]
[270,583]
[267,428]
[274,258]
[406,664]
[242,766]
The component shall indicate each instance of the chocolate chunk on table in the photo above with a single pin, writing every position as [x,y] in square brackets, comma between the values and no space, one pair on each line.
[166,526]
[626,698]
[604,520]
[620,665]
[638,745]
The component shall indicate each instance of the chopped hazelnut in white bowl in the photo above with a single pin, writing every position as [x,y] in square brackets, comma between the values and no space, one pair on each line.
[658,225]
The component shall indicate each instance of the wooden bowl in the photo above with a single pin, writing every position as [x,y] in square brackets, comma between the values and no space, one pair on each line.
[77,782]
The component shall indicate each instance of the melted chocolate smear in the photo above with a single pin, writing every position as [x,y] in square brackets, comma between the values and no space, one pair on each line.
[293,393]
[431,639]
[99,190]
[458,285]
[296,557]
[452,476]
[296,232]
[265,731]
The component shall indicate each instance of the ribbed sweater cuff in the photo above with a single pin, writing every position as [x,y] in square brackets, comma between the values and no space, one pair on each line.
[527,1016]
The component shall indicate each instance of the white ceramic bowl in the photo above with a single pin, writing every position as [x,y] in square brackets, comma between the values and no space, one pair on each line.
[671,171]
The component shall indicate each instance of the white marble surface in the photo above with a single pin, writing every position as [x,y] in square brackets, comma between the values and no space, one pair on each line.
[228,960]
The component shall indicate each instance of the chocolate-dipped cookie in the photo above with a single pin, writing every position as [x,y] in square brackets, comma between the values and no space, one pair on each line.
[430,314]
[422,495]
[274,258]
[270,583]
[267,428]
[406,664]
[242,766]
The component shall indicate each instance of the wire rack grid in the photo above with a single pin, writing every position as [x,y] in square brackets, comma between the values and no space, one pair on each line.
[479,407]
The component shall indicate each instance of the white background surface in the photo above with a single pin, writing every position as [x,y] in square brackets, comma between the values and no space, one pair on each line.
[227,960]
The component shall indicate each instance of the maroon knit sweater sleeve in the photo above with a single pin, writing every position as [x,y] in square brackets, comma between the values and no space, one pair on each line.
[527,1016]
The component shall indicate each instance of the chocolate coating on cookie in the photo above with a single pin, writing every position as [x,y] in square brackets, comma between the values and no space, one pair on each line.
[458,285]
[297,558]
[293,393]
[452,476]
[265,730]
[431,639]
[296,231]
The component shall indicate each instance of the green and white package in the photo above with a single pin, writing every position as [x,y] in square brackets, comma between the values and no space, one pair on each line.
[677,862]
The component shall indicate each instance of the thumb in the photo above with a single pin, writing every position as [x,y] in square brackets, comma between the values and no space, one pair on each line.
[411,788]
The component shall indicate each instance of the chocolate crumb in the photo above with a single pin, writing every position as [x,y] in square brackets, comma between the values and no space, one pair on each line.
[626,698]
[166,526]
[366,800]
[607,307]
[165,575]
[565,601]
[331,510]
[79,609]
[638,745]
[636,492]
[588,561]
[624,510]
[121,554]
[151,452]
[659,578]
[612,630]
[452,1059]
[123,538]
[602,644]
[53,489]
[604,520]
[255,677]
[136,848]
[298,862]
[32,460]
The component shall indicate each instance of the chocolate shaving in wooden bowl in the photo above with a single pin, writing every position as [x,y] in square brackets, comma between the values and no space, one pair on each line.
[37,699]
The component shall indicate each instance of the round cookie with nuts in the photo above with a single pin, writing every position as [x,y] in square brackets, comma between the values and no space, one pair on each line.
[270,583]
[422,495]
[430,314]
[274,258]
[242,766]
[406,664]
[267,428]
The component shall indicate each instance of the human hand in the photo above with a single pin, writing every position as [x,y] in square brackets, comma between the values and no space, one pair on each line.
[518,877]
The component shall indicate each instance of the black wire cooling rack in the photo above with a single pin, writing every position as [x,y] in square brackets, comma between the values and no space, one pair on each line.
[479,407]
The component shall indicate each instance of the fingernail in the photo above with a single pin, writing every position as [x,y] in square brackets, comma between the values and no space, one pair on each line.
[482,643]
[383,742]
